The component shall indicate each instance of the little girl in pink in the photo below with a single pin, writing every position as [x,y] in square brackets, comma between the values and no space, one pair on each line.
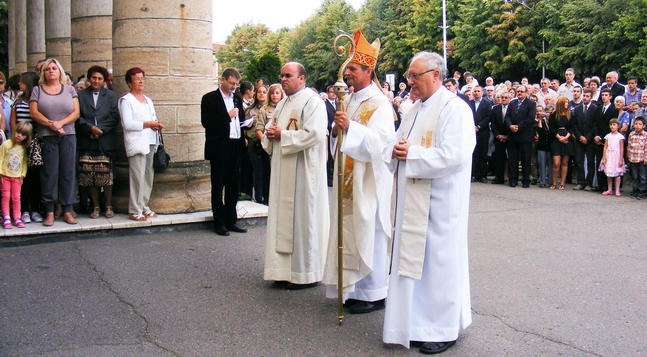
[613,161]
[13,167]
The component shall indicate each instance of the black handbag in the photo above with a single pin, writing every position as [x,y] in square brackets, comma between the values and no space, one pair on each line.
[161,159]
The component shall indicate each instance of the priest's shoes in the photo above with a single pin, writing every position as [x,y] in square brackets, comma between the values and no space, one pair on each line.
[221,231]
[293,286]
[363,307]
[431,348]
[236,228]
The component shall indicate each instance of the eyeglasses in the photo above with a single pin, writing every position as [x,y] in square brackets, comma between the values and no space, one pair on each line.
[287,75]
[521,91]
[415,76]
[1,83]
[233,85]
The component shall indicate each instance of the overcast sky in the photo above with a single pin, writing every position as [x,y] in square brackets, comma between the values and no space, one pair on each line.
[273,13]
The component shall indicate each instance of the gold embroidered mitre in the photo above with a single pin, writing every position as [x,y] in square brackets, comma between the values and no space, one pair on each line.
[365,53]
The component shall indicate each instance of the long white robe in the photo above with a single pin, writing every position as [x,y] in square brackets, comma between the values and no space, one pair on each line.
[367,227]
[298,217]
[437,306]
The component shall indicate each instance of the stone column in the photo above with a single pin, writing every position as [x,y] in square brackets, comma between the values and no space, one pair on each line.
[21,36]
[91,34]
[11,36]
[57,33]
[35,32]
[171,41]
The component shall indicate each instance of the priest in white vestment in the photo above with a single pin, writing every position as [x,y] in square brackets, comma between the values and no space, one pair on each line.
[429,292]
[298,217]
[367,124]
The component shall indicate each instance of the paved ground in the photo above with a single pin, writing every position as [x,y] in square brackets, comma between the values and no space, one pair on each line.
[553,273]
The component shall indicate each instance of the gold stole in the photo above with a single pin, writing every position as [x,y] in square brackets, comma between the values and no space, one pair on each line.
[417,193]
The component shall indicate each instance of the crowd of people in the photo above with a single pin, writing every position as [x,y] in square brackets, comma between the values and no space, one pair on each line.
[60,142]
[555,132]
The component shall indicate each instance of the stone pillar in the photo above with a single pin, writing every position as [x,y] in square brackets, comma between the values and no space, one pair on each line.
[171,41]
[35,32]
[91,34]
[21,36]
[57,33]
[11,37]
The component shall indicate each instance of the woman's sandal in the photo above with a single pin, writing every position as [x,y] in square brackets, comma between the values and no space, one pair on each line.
[150,214]
[109,212]
[136,217]
[7,223]
[95,213]
[552,187]
[561,187]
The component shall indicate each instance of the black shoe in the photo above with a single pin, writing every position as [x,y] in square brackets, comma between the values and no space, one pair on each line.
[236,228]
[512,184]
[351,302]
[363,307]
[279,284]
[533,182]
[431,348]
[525,185]
[497,182]
[221,231]
[484,180]
[292,286]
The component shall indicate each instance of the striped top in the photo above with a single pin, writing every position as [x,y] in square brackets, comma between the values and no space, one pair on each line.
[22,112]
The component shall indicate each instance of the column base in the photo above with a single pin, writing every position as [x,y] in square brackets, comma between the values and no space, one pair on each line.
[183,187]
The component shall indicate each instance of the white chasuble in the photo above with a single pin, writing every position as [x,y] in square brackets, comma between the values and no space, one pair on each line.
[366,198]
[429,295]
[298,217]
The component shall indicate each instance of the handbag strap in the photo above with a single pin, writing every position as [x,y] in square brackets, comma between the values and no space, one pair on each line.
[159,133]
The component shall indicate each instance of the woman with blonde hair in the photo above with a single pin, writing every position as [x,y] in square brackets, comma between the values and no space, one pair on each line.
[274,95]
[561,147]
[54,106]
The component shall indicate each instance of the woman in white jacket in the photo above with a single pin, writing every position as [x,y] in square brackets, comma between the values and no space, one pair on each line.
[140,139]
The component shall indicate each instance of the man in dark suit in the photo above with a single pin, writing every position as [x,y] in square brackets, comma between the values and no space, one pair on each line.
[583,130]
[331,109]
[221,113]
[452,85]
[500,133]
[606,111]
[520,119]
[616,88]
[482,111]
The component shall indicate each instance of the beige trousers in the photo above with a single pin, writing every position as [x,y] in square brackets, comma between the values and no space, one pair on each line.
[140,173]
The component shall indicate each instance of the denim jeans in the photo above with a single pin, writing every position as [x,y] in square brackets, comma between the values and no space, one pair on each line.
[545,166]
[639,174]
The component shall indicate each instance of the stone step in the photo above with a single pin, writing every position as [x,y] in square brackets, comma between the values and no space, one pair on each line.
[250,213]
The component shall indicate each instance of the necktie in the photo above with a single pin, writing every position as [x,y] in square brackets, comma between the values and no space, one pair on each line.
[505,108]
[586,108]
[605,110]
[519,104]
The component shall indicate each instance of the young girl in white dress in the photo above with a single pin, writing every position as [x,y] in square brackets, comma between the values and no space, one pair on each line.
[613,162]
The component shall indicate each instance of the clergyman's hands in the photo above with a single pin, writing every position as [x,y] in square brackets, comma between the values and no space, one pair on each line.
[401,149]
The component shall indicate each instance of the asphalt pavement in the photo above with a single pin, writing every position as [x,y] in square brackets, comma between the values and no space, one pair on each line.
[553,273]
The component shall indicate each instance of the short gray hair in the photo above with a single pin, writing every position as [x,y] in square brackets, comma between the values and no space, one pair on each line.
[433,61]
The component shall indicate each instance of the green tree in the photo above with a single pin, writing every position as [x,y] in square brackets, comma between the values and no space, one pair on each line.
[241,46]
[631,30]
[311,42]
[268,65]
[498,39]
[580,36]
